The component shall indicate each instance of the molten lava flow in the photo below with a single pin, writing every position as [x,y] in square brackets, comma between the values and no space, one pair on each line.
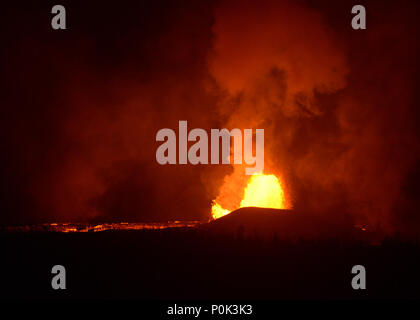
[263,190]
[217,211]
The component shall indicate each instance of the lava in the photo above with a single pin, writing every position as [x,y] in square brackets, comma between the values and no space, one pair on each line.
[262,190]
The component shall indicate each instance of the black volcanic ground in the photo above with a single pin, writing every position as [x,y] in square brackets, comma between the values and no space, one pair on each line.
[280,224]
[227,258]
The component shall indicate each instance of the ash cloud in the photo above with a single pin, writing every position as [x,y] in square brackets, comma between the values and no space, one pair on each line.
[337,105]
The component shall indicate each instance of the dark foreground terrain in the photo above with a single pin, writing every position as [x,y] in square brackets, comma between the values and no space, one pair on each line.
[190,263]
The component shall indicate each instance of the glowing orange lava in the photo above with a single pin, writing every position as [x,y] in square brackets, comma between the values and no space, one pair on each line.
[262,190]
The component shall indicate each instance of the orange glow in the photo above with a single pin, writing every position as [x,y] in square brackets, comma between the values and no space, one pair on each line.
[217,211]
[262,190]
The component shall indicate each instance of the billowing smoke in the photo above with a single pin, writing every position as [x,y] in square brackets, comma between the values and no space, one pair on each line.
[83,107]
[336,113]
